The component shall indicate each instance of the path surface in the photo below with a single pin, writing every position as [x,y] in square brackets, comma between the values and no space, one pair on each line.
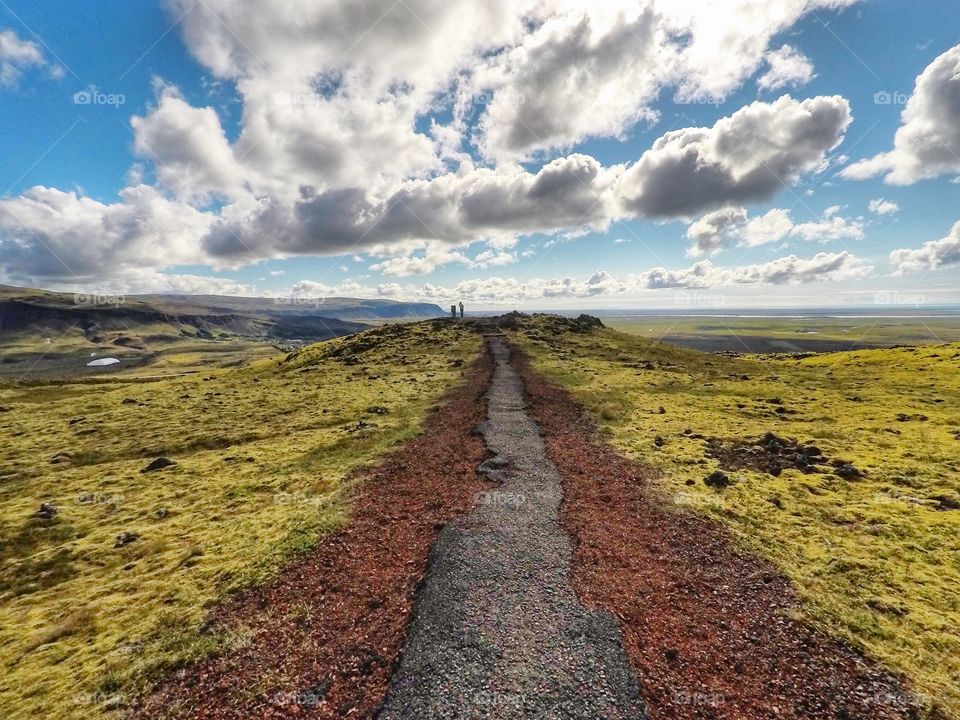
[497,630]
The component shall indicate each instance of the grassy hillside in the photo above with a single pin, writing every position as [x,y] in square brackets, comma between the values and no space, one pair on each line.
[874,550]
[101,595]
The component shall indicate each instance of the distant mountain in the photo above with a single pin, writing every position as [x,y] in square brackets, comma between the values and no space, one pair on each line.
[133,319]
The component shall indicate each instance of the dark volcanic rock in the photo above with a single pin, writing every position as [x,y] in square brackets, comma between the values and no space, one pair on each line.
[158,464]
[125,538]
[717,479]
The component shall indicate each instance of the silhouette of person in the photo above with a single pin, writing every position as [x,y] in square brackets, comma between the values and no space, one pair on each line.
[461,308]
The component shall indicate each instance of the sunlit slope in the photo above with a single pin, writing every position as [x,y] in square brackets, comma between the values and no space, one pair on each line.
[875,554]
[261,453]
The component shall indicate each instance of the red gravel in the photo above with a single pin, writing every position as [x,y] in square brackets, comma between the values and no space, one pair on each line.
[328,631]
[706,626]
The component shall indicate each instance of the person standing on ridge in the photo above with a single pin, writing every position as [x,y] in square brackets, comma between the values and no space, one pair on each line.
[461,308]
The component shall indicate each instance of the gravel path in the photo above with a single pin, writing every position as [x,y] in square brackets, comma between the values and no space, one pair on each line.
[497,630]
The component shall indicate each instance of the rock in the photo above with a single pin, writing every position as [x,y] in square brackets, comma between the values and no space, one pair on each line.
[47,511]
[717,479]
[128,401]
[847,472]
[662,410]
[658,441]
[377,410]
[691,481]
[61,457]
[672,655]
[947,502]
[158,464]
[458,362]
[77,420]
[161,513]
[125,538]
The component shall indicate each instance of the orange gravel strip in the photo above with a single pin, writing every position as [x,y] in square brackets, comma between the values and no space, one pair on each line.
[329,629]
[706,625]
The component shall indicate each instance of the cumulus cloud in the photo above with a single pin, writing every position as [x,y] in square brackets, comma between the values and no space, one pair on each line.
[721,228]
[474,203]
[929,256]
[789,270]
[927,144]
[570,79]
[189,148]
[746,157]
[786,67]
[362,128]
[18,56]
[712,232]
[49,235]
[880,206]
[830,228]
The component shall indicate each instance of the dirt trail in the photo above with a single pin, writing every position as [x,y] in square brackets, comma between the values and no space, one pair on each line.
[710,629]
[326,633]
[497,630]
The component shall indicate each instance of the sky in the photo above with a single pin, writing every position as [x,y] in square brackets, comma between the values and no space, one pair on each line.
[510,153]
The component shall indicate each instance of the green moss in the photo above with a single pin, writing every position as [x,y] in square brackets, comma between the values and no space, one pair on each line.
[875,561]
[263,457]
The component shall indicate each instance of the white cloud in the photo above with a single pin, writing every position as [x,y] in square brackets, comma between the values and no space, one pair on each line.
[786,67]
[712,232]
[829,229]
[929,256]
[927,144]
[332,157]
[17,56]
[746,157]
[719,229]
[789,270]
[770,227]
[190,151]
[880,206]
[49,235]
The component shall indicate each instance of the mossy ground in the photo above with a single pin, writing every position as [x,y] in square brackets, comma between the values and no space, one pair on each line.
[264,455]
[876,560]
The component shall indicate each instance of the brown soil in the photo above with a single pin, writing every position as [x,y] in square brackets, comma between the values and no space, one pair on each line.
[328,631]
[708,627]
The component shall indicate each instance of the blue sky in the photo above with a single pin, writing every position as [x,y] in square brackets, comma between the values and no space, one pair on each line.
[256,148]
